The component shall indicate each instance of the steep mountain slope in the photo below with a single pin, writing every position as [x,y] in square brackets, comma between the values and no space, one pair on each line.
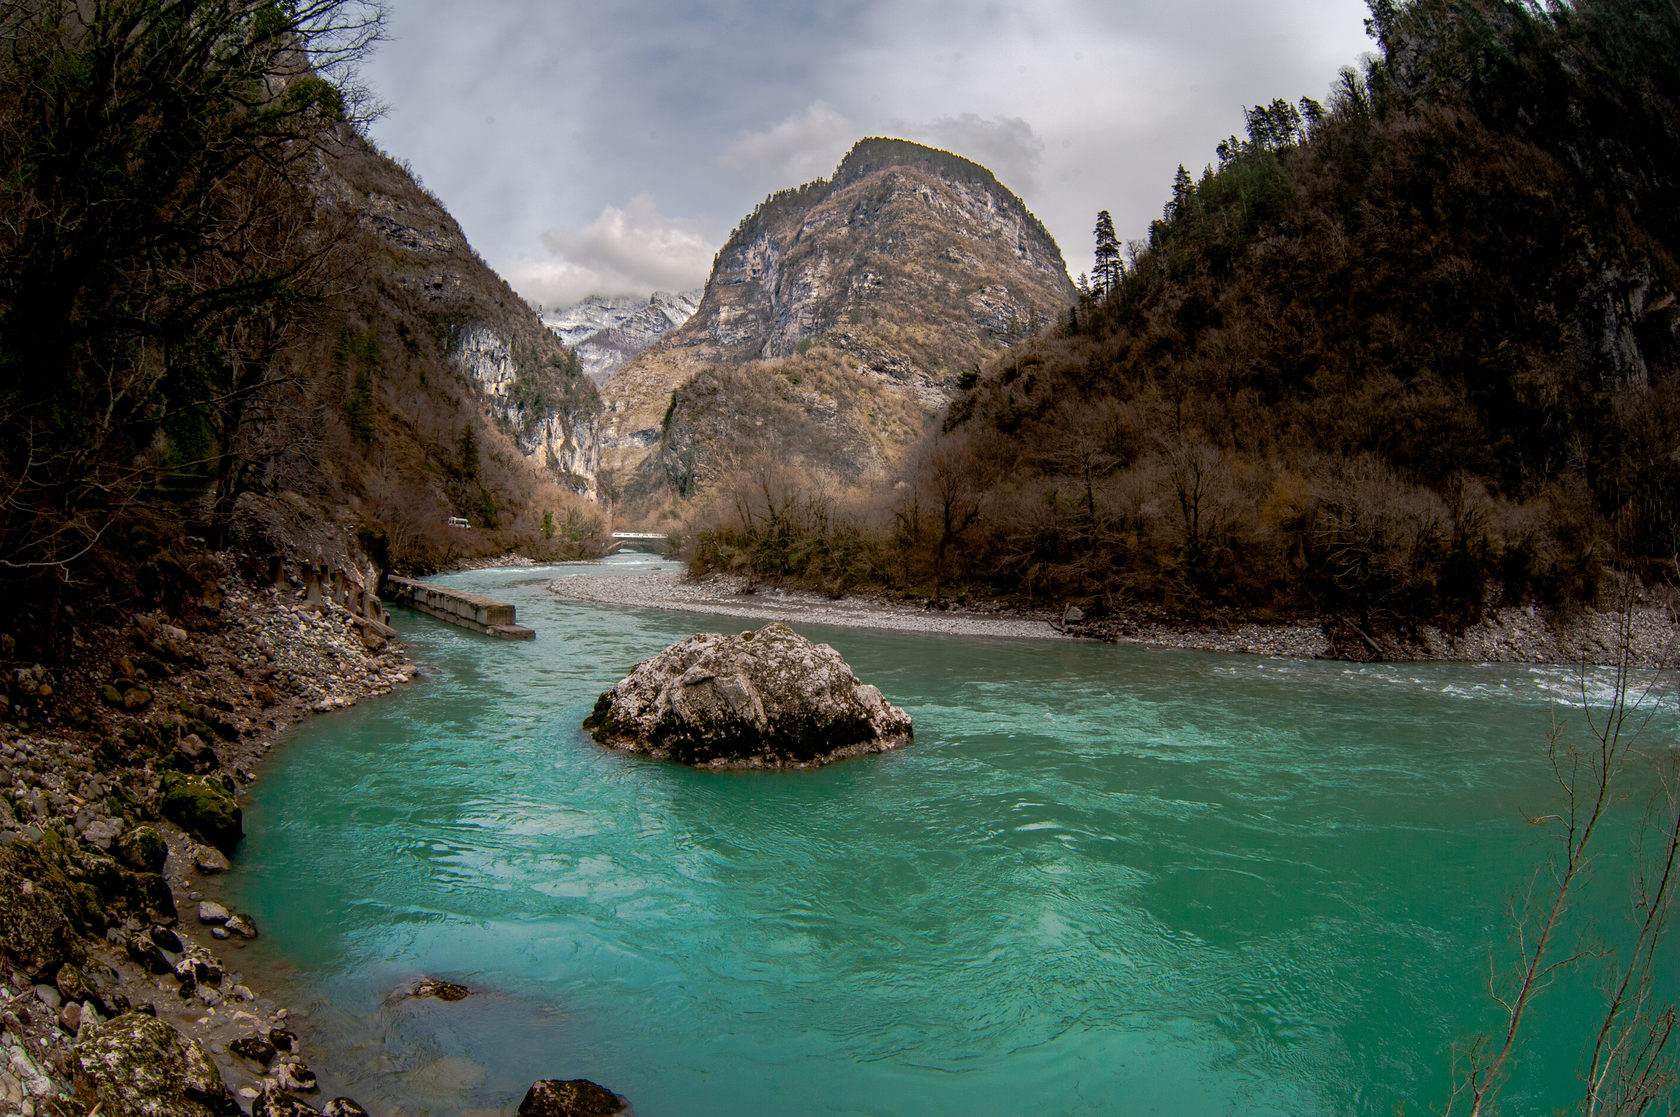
[528,381]
[427,389]
[607,333]
[227,322]
[839,316]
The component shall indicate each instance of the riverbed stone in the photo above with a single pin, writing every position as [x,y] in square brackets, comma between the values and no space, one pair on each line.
[72,983]
[193,755]
[442,990]
[211,912]
[292,1075]
[343,1107]
[138,1066]
[143,950]
[101,832]
[274,1102]
[255,1048]
[764,698]
[577,1097]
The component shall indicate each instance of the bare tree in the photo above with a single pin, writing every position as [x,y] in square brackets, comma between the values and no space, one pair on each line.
[156,158]
[1631,1066]
[949,477]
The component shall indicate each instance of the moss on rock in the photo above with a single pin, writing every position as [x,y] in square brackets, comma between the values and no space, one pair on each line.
[203,806]
[38,911]
[143,848]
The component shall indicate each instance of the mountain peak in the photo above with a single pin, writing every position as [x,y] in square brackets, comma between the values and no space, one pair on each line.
[851,308]
[878,153]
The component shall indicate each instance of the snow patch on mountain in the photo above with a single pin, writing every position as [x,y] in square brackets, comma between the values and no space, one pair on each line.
[607,331]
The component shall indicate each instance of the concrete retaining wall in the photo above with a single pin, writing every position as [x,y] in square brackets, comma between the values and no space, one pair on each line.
[458,607]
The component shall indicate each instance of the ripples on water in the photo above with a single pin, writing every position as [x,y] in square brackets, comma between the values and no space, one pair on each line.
[1100,881]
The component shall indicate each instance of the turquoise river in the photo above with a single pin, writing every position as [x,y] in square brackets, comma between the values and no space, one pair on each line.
[1101,881]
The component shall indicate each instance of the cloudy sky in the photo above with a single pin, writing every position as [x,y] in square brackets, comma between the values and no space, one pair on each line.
[610,147]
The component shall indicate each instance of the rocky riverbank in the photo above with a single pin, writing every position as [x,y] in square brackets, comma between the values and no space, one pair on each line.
[119,778]
[1519,635]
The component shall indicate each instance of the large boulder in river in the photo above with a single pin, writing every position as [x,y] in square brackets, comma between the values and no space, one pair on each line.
[769,698]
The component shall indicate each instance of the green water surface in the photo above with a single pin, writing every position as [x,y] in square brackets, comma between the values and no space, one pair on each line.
[1101,881]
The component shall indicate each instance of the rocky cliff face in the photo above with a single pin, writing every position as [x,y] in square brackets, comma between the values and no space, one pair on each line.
[607,333]
[839,318]
[559,434]
[526,381]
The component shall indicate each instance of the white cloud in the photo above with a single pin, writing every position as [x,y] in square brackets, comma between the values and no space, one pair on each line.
[631,250]
[811,143]
[803,147]
[705,106]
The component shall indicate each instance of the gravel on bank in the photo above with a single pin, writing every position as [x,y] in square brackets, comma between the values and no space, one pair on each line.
[724,595]
[1515,635]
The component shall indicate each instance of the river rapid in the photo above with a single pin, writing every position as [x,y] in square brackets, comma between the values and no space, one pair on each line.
[1101,880]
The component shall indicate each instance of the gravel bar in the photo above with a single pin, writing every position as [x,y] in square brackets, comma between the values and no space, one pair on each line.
[725,596]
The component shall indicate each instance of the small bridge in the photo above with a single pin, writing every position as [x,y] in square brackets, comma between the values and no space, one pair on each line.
[643,541]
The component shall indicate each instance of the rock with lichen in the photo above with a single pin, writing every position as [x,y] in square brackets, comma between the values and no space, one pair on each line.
[577,1097]
[143,848]
[39,913]
[138,1066]
[769,698]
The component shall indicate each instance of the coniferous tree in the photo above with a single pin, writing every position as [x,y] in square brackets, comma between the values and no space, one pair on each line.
[1182,189]
[1107,274]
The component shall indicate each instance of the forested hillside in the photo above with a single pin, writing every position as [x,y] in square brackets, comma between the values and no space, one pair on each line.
[1402,357]
[225,319]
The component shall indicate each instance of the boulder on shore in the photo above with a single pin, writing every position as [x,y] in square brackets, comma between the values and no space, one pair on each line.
[769,698]
[139,1066]
[204,807]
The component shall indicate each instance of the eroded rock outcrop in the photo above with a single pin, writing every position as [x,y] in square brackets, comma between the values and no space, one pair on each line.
[769,698]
